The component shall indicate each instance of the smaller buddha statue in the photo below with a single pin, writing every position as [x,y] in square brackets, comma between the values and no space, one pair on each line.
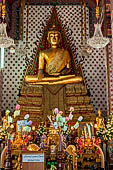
[88,141]
[18,142]
[82,134]
[99,119]
[6,124]
[53,136]
[54,63]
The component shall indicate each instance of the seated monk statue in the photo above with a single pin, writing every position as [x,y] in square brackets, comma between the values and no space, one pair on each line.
[54,63]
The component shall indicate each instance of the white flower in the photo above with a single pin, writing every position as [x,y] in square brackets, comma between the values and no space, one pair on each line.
[80,118]
[26,116]
[70,116]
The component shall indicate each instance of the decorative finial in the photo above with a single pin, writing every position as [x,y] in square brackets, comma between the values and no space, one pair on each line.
[97,9]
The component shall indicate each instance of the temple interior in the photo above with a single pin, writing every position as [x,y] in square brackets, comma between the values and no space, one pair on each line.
[56,85]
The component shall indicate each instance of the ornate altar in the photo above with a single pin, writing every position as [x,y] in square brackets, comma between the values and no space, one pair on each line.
[59,140]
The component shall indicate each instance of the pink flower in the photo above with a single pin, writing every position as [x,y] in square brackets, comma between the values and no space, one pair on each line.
[17,107]
[60,112]
[26,140]
[80,142]
[71,109]
[56,111]
[67,118]
[97,142]
[30,122]
[81,152]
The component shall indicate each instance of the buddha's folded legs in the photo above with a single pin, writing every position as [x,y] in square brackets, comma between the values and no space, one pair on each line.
[54,80]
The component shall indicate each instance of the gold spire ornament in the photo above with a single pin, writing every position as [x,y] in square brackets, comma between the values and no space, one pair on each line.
[97,9]
[98,41]
[3,10]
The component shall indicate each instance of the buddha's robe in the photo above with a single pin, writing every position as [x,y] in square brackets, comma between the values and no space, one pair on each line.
[56,60]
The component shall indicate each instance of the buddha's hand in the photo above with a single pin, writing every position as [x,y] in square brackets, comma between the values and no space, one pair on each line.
[40,74]
[66,71]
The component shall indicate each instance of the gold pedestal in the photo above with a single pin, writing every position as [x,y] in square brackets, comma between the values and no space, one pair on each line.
[39,100]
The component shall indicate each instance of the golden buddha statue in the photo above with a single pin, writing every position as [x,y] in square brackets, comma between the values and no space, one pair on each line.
[88,141]
[99,120]
[18,141]
[6,124]
[54,63]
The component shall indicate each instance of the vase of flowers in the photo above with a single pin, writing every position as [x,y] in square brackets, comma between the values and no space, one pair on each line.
[60,123]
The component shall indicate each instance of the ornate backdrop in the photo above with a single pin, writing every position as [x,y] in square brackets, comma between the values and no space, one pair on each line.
[94,66]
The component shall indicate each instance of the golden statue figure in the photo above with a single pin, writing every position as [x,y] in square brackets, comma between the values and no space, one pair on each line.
[54,63]
[88,141]
[54,80]
[99,119]
[6,124]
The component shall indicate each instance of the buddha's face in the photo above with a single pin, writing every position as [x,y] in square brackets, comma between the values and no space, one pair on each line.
[54,38]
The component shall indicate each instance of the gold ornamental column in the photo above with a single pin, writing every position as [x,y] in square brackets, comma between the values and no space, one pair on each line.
[111,70]
[1,82]
[0,70]
[112,23]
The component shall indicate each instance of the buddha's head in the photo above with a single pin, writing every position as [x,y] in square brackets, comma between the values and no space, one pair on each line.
[54,36]
[99,112]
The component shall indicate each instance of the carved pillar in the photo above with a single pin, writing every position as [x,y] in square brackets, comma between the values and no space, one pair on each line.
[111,69]
[112,23]
[8,165]
[0,93]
